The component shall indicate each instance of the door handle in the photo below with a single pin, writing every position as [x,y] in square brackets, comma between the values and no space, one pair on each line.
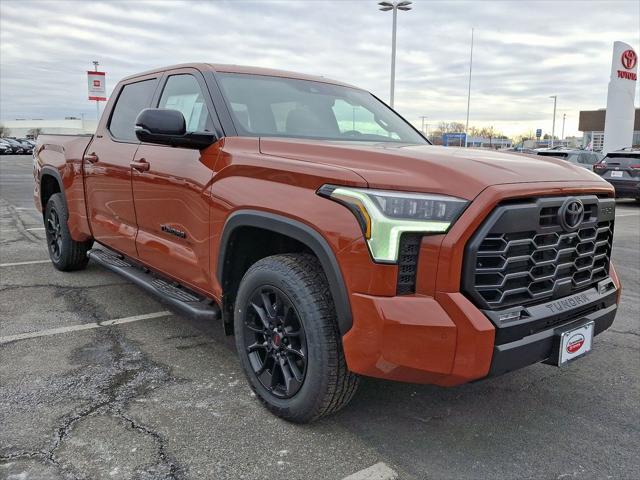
[91,157]
[141,165]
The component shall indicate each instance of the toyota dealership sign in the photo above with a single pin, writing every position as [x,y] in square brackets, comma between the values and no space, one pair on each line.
[629,59]
[97,86]
[618,124]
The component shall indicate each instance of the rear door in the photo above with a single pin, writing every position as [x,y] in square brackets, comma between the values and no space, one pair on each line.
[171,188]
[107,168]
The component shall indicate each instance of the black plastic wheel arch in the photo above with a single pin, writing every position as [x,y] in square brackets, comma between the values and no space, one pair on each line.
[302,233]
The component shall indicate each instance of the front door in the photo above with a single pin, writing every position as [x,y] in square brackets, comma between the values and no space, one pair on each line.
[171,191]
[107,170]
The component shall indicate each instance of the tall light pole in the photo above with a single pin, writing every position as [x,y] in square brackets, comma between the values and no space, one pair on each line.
[564,117]
[466,128]
[423,117]
[395,6]
[553,126]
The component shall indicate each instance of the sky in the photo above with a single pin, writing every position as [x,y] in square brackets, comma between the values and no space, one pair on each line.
[524,51]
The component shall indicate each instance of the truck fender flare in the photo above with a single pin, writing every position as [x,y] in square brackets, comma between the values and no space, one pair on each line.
[304,234]
[55,173]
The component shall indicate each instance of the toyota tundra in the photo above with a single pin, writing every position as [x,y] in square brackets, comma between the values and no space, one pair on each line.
[328,235]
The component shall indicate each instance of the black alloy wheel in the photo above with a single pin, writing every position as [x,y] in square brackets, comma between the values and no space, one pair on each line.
[275,341]
[66,254]
[53,230]
[287,338]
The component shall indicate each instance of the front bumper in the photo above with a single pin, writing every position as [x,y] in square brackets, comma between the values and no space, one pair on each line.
[540,345]
[448,341]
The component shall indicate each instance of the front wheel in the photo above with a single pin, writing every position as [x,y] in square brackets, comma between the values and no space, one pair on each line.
[65,253]
[288,340]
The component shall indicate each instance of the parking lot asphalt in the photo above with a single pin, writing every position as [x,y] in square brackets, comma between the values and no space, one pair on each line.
[164,397]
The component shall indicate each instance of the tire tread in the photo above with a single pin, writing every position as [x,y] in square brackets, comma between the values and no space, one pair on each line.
[305,269]
[74,255]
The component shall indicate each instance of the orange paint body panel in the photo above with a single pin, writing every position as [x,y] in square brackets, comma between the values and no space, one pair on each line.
[170,216]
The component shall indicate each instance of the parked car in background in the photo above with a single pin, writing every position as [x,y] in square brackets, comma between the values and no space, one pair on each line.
[582,158]
[18,148]
[5,148]
[27,146]
[15,147]
[622,170]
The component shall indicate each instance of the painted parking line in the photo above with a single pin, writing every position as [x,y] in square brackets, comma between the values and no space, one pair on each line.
[631,214]
[84,326]
[35,229]
[379,471]
[17,264]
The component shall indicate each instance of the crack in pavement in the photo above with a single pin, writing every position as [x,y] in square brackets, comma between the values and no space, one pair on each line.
[17,223]
[625,332]
[129,375]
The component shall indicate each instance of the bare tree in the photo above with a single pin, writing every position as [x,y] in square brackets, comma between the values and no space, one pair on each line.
[4,131]
[34,132]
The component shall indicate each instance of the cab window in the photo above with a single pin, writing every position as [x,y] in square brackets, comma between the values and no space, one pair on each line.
[133,98]
[183,93]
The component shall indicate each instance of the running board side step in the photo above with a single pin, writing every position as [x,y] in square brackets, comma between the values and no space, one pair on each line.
[176,296]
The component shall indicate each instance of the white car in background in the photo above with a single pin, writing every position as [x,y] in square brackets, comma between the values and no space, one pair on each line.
[583,158]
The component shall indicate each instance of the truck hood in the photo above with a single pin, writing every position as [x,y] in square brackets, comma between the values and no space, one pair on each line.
[461,172]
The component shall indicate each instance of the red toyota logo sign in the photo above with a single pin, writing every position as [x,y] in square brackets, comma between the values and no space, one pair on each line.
[575,343]
[629,59]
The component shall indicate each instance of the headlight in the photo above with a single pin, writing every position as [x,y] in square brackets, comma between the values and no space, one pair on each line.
[384,215]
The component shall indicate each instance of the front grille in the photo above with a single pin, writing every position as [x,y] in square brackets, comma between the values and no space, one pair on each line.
[522,255]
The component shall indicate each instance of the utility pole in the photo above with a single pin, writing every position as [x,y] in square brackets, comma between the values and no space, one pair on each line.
[553,126]
[466,128]
[564,117]
[95,67]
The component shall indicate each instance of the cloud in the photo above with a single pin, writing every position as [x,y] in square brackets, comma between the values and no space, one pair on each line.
[524,51]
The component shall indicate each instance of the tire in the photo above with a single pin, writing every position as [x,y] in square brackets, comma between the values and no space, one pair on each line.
[65,253]
[319,379]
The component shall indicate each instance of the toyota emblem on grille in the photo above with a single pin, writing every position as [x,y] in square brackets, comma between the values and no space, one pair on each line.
[571,214]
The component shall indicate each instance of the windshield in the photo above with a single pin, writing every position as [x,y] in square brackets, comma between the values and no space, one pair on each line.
[285,107]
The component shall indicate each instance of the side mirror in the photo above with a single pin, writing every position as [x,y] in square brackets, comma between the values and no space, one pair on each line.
[168,127]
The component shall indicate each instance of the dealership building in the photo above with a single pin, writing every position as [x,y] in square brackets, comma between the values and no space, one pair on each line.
[22,128]
[591,124]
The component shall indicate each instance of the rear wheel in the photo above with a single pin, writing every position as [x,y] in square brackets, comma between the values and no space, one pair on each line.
[288,341]
[65,253]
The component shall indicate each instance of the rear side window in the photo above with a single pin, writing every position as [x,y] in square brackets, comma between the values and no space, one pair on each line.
[588,158]
[622,161]
[553,154]
[133,98]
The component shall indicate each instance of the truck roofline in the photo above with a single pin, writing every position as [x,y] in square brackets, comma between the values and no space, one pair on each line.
[244,69]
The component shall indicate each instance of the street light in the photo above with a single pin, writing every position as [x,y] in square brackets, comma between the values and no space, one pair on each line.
[423,117]
[553,126]
[395,6]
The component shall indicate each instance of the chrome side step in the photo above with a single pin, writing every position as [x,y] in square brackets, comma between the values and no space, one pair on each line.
[172,294]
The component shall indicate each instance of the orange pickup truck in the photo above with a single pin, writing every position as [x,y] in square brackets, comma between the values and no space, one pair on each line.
[328,235]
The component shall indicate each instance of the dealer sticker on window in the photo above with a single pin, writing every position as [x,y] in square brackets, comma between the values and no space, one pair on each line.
[575,343]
